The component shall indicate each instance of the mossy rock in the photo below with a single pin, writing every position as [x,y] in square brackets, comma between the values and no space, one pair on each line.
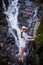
[39,39]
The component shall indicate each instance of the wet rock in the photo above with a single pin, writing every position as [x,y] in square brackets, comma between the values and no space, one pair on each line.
[3,25]
[3,34]
[6,2]
[21,1]
[1,4]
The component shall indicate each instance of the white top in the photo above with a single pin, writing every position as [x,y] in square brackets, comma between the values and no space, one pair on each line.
[24,40]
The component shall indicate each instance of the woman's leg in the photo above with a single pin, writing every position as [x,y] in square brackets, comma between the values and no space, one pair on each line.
[21,54]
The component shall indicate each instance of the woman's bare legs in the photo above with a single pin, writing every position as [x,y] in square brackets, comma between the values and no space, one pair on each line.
[21,54]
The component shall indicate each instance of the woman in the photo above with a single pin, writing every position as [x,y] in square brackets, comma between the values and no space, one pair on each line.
[24,40]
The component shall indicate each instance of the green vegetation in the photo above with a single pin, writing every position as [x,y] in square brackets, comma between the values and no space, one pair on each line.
[39,43]
[39,40]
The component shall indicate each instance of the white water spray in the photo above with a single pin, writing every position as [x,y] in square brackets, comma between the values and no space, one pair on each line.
[12,14]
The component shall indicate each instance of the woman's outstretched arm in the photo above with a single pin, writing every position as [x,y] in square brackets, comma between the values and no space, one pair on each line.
[30,37]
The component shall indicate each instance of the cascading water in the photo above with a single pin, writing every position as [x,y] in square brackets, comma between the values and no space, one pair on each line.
[33,20]
[12,14]
[12,19]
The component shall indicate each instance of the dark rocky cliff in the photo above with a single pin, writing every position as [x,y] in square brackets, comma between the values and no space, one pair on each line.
[1,4]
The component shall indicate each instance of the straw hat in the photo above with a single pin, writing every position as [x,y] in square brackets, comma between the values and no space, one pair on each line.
[24,27]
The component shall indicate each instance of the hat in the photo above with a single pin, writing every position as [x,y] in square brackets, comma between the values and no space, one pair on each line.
[24,27]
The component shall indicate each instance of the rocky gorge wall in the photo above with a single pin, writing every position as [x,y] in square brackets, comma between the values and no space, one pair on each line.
[7,41]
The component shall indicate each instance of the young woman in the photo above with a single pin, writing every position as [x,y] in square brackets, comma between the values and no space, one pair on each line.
[25,38]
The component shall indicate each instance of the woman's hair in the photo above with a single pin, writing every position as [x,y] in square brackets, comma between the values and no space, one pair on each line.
[21,33]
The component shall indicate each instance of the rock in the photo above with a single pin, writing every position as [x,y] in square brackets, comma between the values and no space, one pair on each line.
[3,34]
[3,25]
[1,4]
[35,29]
[6,2]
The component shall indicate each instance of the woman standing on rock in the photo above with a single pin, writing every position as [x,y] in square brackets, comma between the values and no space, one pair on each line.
[25,38]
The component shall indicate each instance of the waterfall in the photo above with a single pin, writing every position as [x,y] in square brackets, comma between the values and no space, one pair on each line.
[12,18]
[12,14]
